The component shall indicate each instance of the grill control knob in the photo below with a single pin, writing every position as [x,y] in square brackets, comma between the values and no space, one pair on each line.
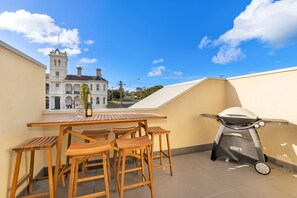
[262,124]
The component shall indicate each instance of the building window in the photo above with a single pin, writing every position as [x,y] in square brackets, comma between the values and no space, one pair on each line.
[55,62]
[47,102]
[97,100]
[57,84]
[103,100]
[57,74]
[91,100]
[47,88]
[104,87]
[97,87]
[59,62]
[91,87]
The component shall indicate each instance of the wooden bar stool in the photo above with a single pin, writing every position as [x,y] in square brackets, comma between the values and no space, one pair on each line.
[97,134]
[158,131]
[118,132]
[127,147]
[79,152]
[39,143]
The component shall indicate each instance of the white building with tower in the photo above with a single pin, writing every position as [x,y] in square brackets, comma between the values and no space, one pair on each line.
[63,90]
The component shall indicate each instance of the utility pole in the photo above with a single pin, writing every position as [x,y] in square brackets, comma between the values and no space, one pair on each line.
[121,92]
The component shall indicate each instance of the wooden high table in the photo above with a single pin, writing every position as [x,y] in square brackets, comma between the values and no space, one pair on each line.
[67,121]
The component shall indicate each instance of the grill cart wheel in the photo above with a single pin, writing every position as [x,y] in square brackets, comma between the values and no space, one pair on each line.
[262,168]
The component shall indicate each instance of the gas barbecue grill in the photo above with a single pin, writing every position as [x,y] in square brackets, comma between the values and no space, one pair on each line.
[237,137]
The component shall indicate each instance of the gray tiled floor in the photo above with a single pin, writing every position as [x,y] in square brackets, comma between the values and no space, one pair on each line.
[195,175]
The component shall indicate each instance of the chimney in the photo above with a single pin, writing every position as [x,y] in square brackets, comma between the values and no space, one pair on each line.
[98,72]
[79,71]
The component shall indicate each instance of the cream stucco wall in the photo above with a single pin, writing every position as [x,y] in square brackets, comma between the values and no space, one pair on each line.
[183,116]
[21,101]
[270,95]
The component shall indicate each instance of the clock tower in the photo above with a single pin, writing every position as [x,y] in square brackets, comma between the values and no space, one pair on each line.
[58,65]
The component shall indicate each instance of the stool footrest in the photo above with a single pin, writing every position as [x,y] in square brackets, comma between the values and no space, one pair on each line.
[131,170]
[98,194]
[136,185]
[158,156]
[23,180]
[93,164]
[36,195]
[90,178]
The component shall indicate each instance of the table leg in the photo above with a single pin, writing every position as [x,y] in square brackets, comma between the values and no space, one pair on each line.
[146,128]
[58,157]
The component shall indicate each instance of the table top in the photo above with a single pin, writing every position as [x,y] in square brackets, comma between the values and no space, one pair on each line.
[97,118]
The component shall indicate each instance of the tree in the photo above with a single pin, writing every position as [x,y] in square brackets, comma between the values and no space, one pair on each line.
[84,92]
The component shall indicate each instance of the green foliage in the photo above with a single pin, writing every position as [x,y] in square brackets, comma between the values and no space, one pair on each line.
[140,93]
[151,90]
[114,94]
[84,91]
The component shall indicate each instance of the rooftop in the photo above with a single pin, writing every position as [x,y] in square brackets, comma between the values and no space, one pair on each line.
[165,95]
[195,175]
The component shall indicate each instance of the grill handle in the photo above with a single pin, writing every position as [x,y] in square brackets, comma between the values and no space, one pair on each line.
[235,127]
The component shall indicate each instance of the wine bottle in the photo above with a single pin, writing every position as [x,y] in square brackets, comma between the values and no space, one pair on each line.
[89,110]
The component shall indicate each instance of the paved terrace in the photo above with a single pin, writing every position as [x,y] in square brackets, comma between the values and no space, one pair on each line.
[195,175]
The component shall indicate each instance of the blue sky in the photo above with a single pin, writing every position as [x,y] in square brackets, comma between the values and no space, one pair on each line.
[146,43]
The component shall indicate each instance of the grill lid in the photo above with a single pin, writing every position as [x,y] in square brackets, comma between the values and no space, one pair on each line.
[238,116]
[238,112]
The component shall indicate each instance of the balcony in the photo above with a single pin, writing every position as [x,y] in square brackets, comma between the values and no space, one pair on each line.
[195,175]
[270,94]
[76,92]
[68,92]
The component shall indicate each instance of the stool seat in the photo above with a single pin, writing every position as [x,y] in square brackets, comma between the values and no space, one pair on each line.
[82,149]
[37,143]
[79,153]
[96,133]
[138,142]
[135,147]
[157,130]
[122,131]
[34,144]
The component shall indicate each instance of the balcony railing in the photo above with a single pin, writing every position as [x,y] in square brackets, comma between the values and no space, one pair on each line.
[68,92]
[76,92]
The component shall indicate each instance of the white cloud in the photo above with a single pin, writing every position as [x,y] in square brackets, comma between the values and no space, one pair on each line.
[40,28]
[227,54]
[272,22]
[178,73]
[45,51]
[156,71]
[87,60]
[158,61]
[86,49]
[205,42]
[89,42]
